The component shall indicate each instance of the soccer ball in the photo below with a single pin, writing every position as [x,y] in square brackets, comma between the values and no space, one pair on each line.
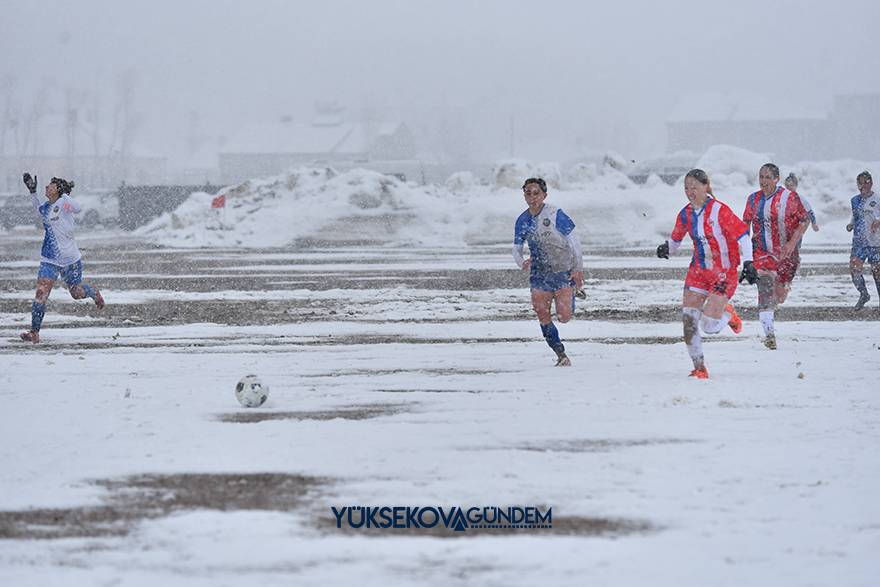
[250,392]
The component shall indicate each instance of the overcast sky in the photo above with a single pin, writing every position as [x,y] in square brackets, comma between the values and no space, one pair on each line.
[596,75]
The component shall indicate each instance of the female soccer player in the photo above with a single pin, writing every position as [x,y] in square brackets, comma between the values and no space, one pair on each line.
[60,255]
[865,226]
[721,239]
[555,265]
[778,220]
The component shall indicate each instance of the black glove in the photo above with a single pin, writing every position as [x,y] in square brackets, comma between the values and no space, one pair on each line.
[663,250]
[30,182]
[749,273]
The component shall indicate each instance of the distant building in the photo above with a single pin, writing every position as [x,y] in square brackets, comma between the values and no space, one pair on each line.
[267,149]
[767,125]
[855,128]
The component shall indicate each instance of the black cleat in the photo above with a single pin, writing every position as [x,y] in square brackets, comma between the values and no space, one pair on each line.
[863,299]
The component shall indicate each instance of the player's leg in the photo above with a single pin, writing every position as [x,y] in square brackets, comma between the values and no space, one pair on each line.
[856,263]
[45,281]
[691,314]
[541,302]
[78,289]
[717,310]
[564,299]
[874,260]
[784,277]
[767,306]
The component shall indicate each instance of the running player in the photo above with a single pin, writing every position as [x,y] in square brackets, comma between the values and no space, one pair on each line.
[777,219]
[555,263]
[791,183]
[59,255]
[865,226]
[720,241]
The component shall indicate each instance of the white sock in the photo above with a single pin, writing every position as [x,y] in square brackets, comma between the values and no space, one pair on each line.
[695,346]
[712,325]
[766,317]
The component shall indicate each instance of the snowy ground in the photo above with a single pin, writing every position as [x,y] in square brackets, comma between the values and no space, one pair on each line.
[404,376]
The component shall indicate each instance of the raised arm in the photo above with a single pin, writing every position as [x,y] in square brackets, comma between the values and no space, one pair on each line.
[31,183]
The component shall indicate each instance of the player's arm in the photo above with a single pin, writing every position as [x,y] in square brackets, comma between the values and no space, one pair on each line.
[748,214]
[70,205]
[519,258]
[575,243]
[672,244]
[810,212]
[800,214]
[31,183]
[855,214]
[578,274]
[565,225]
[519,234]
[746,254]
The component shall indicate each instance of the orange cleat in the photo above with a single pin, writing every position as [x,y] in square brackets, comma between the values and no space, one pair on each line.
[700,373]
[30,336]
[735,322]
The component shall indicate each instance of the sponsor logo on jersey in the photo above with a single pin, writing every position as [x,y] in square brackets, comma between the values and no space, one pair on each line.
[547,220]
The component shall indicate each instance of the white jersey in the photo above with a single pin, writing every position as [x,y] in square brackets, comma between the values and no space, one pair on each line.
[552,244]
[59,247]
[869,208]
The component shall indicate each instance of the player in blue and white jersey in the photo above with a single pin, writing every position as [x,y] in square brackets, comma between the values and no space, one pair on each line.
[555,263]
[59,256]
[865,226]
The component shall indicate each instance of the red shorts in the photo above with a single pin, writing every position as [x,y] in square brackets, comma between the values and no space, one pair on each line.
[785,270]
[711,281]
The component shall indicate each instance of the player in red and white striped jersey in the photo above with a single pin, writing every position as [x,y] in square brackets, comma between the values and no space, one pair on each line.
[778,220]
[720,242]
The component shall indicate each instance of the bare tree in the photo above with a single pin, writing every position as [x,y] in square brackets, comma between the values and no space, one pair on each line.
[125,118]
[31,140]
[125,122]
[9,114]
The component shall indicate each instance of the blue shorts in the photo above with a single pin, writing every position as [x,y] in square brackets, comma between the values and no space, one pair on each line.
[551,281]
[71,274]
[863,252]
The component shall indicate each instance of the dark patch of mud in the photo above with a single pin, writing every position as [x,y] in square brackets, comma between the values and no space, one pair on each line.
[143,497]
[355,412]
[599,444]
[426,371]
[473,391]
[259,313]
[132,500]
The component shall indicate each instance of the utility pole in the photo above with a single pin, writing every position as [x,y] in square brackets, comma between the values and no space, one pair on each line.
[512,137]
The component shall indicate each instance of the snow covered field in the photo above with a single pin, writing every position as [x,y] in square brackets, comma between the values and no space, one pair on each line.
[417,377]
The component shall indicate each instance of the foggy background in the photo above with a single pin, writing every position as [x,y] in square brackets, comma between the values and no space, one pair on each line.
[473,81]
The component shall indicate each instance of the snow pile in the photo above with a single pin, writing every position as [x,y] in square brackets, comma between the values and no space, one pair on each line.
[313,204]
[321,205]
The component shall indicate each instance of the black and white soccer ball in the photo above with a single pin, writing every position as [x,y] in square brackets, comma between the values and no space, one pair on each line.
[250,391]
